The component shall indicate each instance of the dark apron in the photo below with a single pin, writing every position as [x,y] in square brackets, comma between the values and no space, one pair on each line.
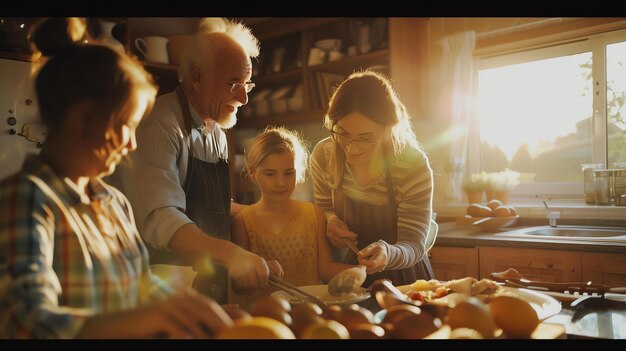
[373,222]
[207,193]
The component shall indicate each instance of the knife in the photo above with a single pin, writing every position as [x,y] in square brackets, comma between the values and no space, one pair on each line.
[351,246]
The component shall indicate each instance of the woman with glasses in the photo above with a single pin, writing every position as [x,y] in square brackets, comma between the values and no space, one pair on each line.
[178,181]
[374,182]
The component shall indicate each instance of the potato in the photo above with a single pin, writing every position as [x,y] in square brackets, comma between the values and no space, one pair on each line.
[416,326]
[397,312]
[366,331]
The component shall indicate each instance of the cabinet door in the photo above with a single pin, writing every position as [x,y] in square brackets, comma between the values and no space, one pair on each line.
[609,269]
[543,265]
[454,262]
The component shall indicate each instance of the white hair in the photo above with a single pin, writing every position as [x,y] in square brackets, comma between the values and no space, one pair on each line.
[204,45]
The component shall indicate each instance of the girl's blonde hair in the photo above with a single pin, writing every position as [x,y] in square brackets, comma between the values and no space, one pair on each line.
[276,140]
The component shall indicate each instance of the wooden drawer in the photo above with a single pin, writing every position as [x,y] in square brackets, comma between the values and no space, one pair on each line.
[454,262]
[544,265]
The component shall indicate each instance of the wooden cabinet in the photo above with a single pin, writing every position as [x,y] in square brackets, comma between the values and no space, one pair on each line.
[544,265]
[454,262]
[604,268]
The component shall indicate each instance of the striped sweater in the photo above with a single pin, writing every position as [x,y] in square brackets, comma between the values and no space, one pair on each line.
[412,183]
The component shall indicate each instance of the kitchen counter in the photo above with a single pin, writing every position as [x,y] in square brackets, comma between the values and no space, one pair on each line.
[461,235]
[594,318]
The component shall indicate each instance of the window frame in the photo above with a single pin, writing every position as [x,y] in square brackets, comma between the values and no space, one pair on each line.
[596,44]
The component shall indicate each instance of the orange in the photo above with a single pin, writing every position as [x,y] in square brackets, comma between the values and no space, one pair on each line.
[325,329]
[256,328]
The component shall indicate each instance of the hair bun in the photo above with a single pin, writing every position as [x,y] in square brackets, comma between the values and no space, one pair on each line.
[56,35]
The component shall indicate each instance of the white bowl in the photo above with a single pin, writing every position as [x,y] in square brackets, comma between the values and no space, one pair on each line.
[328,44]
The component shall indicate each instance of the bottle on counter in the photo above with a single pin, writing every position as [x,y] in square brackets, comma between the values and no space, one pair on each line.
[602,181]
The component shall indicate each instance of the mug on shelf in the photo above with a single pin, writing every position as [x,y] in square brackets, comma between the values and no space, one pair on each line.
[316,56]
[153,48]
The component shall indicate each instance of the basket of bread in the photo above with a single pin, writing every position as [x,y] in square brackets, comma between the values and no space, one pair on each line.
[493,215]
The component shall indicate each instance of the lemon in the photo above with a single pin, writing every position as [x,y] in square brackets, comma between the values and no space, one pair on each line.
[325,329]
[514,315]
[256,328]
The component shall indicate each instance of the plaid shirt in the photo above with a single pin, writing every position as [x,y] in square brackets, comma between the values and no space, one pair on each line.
[65,256]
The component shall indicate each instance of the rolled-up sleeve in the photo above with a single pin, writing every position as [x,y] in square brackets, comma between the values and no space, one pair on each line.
[413,188]
[152,181]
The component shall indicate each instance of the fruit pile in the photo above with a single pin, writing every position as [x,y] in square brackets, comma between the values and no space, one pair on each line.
[466,316]
[272,317]
[494,208]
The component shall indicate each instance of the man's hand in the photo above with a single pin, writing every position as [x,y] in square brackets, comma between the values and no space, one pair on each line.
[276,268]
[248,271]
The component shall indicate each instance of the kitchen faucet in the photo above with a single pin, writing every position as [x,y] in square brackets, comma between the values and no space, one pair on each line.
[552,216]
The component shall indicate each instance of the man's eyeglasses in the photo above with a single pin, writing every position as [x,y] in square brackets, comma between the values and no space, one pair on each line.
[236,87]
[365,145]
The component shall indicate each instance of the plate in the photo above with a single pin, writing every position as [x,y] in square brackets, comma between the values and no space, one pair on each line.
[545,305]
[321,292]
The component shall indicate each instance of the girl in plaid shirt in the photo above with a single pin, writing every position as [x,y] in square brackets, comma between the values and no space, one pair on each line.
[72,263]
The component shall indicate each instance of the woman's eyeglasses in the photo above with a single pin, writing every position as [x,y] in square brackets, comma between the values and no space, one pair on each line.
[236,87]
[365,145]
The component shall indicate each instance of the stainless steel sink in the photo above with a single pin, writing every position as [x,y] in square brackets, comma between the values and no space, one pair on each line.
[584,233]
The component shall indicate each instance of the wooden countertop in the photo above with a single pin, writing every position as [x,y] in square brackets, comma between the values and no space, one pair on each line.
[459,235]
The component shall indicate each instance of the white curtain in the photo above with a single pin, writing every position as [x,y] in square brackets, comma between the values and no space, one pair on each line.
[454,103]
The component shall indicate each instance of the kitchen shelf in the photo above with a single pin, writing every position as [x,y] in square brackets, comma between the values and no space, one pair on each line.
[278,78]
[347,64]
[16,56]
[298,36]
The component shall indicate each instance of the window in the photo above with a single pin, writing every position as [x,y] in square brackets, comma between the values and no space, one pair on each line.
[545,111]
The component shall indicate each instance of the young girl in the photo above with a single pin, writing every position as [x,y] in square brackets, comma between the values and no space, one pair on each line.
[72,264]
[289,234]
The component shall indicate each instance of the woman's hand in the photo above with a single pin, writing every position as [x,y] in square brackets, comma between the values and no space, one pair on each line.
[336,230]
[248,271]
[374,257]
[186,314]
[276,268]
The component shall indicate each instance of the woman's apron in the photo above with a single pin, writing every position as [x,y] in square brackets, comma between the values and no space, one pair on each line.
[373,222]
[207,194]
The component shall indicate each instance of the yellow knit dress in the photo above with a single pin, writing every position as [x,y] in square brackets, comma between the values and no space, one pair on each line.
[295,247]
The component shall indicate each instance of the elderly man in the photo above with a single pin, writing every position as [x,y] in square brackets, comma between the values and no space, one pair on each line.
[178,179]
